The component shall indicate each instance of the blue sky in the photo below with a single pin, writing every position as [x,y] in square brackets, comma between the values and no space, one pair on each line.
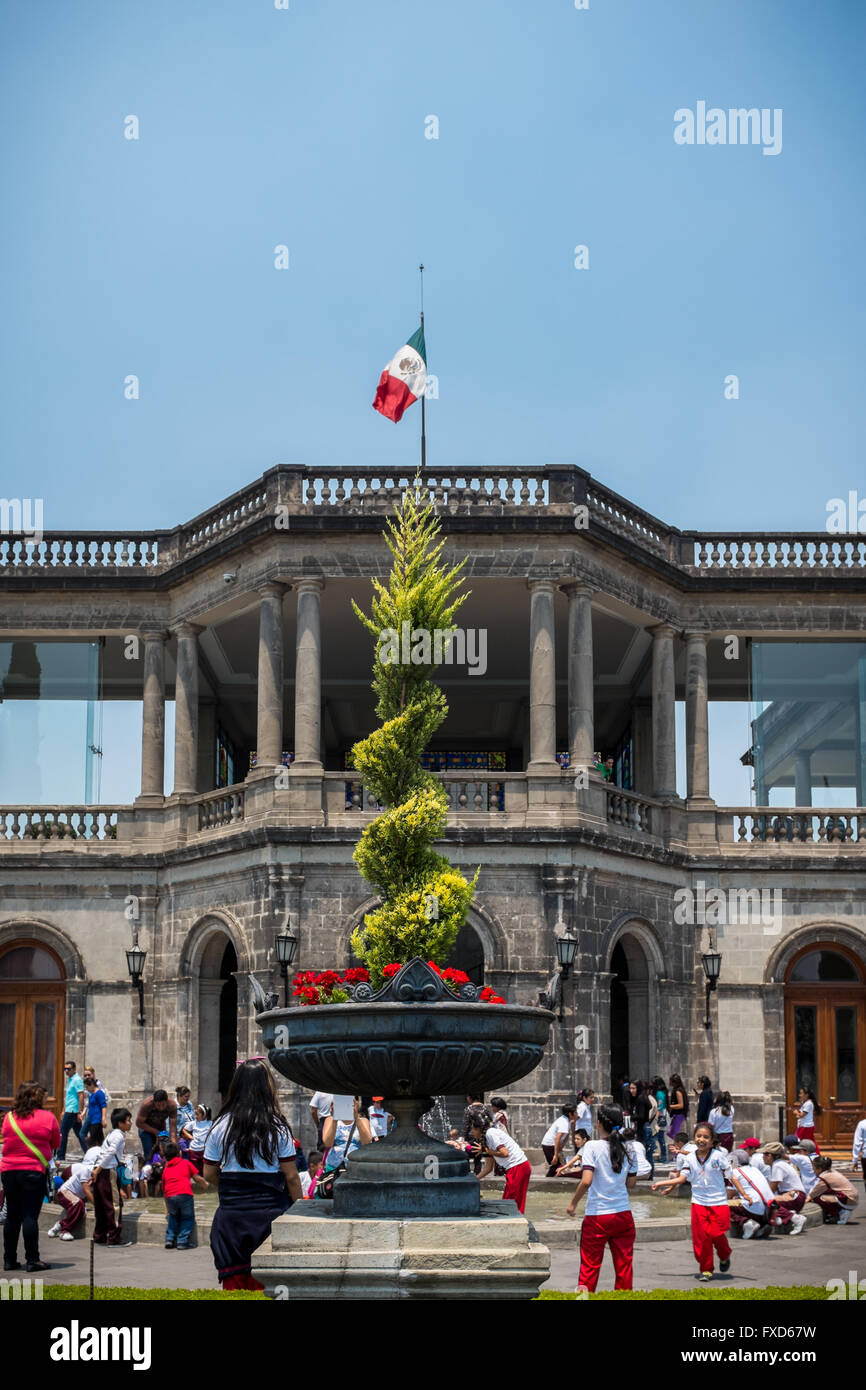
[306,127]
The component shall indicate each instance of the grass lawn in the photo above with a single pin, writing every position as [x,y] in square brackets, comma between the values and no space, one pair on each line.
[790,1294]
[797,1293]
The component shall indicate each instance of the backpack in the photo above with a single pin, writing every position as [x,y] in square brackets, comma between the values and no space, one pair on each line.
[663,1119]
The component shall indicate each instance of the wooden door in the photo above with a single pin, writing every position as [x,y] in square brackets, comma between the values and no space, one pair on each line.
[32,1022]
[825,1036]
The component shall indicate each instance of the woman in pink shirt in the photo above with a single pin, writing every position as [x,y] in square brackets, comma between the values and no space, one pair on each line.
[30,1136]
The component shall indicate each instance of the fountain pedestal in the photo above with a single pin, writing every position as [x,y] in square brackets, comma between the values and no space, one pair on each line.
[319,1255]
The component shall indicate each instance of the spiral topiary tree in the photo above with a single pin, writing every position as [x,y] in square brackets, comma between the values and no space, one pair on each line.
[424,901]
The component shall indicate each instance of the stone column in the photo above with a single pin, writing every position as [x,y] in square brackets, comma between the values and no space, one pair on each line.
[153,718]
[269,737]
[697,718]
[580,676]
[664,713]
[186,709]
[308,679]
[542,681]
[803,777]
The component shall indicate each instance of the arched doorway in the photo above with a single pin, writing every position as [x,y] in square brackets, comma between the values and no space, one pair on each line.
[825,1036]
[468,954]
[32,1020]
[218,1019]
[632,1049]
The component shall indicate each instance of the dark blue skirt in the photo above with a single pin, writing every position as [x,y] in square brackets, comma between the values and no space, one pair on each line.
[249,1203]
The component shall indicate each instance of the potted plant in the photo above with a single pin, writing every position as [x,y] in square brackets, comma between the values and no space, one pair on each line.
[410,1029]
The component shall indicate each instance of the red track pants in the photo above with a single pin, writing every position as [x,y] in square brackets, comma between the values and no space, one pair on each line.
[709,1225]
[613,1228]
[517,1184]
[74,1209]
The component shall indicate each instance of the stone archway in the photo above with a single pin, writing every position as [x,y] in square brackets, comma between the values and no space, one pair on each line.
[634,967]
[214,957]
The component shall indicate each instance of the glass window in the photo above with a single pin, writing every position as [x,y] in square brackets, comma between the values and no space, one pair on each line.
[806,1046]
[44,1033]
[823,967]
[808,723]
[29,963]
[846,1055]
[7,1048]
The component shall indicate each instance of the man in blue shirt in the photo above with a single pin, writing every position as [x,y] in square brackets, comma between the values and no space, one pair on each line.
[70,1120]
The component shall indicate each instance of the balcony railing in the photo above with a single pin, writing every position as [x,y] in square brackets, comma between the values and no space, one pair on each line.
[223,807]
[744,826]
[555,491]
[630,810]
[71,824]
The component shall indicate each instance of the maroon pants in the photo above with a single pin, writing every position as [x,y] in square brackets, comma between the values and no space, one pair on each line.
[616,1229]
[74,1209]
[795,1203]
[725,1141]
[106,1228]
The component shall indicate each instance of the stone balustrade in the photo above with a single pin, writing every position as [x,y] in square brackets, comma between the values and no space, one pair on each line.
[762,551]
[629,810]
[745,826]
[220,808]
[75,825]
[554,490]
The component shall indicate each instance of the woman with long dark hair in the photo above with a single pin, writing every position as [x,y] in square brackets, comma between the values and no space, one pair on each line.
[704,1093]
[30,1136]
[678,1105]
[250,1153]
[607,1175]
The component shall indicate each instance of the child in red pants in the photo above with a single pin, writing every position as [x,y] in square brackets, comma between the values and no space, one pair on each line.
[499,1146]
[706,1169]
[608,1174]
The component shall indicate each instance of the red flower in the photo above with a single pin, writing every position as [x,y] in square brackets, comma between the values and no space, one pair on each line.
[305,977]
[391,970]
[455,977]
[434,966]
[496,999]
[309,994]
[327,979]
[486,994]
[357,975]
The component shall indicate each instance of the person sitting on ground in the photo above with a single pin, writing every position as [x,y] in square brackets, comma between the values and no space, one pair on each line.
[638,1151]
[754,1209]
[310,1177]
[785,1181]
[574,1165]
[556,1138]
[800,1159]
[755,1149]
[834,1194]
[178,1176]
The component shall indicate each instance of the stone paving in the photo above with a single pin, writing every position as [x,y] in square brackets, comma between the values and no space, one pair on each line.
[818,1255]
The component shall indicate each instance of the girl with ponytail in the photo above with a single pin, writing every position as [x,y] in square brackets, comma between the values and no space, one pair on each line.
[608,1173]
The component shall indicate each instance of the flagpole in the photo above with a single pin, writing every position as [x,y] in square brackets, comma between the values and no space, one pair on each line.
[424,396]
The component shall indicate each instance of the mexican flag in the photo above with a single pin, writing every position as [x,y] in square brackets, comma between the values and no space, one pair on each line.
[404,378]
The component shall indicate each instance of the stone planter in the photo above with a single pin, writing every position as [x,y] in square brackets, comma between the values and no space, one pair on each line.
[411,1041]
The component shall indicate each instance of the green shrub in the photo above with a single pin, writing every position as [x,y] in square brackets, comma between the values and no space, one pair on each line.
[424,901]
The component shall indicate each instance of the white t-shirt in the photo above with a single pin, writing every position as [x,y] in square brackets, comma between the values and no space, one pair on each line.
[338,1151]
[722,1124]
[198,1132]
[608,1191]
[378,1121]
[636,1148]
[786,1175]
[496,1138]
[757,1161]
[322,1101]
[757,1187]
[803,1165]
[707,1178]
[560,1126]
[584,1117]
[229,1164]
[112,1149]
[81,1172]
[807,1120]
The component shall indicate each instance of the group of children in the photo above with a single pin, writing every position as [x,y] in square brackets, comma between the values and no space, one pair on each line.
[757,1188]
[171,1172]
